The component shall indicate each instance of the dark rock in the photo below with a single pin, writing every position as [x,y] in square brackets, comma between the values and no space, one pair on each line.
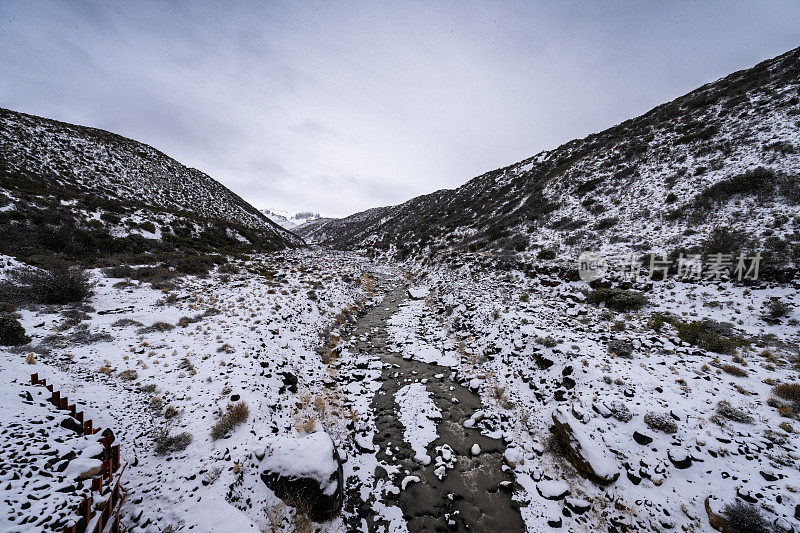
[289,382]
[590,465]
[72,424]
[681,462]
[641,438]
[621,348]
[297,489]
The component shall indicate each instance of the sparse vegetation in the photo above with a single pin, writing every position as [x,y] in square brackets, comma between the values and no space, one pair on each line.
[660,422]
[56,282]
[724,408]
[746,518]
[11,332]
[618,299]
[165,443]
[735,370]
[788,391]
[709,335]
[233,415]
[776,308]
[128,375]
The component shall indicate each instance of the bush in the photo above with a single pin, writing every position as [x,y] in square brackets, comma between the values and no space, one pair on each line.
[235,414]
[11,332]
[618,299]
[166,443]
[56,283]
[660,422]
[606,223]
[724,241]
[546,254]
[724,408]
[709,335]
[753,181]
[777,309]
[787,391]
[746,518]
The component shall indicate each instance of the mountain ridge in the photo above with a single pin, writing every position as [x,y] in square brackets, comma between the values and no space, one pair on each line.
[80,177]
[634,185]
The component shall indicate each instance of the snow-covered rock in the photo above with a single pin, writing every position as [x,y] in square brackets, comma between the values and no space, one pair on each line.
[306,469]
[589,456]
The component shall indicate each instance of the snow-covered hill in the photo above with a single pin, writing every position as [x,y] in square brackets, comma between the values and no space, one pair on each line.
[290,221]
[725,155]
[91,180]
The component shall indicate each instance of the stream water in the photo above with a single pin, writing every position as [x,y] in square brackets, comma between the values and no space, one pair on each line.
[469,497]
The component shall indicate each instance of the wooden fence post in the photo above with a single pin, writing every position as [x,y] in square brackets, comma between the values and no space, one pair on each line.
[34,379]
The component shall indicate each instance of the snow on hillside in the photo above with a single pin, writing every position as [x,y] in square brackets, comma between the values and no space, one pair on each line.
[290,221]
[725,155]
[70,162]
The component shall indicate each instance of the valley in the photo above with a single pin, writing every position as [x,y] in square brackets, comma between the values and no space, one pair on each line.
[604,336]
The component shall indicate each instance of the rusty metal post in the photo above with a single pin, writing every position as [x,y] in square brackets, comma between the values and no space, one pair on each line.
[55,398]
[87,427]
[115,457]
[34,379]
[86,510]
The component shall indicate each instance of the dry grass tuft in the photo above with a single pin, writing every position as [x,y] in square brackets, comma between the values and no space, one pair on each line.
[235,414]
[787,391]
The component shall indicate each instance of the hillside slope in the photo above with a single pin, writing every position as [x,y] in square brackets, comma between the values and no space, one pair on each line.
[659,182]
[55,175]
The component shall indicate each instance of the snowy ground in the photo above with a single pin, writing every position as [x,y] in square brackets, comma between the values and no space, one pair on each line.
[139,359]
[533,348]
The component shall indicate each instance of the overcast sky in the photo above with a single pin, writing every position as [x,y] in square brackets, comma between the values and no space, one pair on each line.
[336,107]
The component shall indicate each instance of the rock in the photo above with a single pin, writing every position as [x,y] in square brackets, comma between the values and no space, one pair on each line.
[306,470]
[641,438]
[88,468]
[718,522]
[72,424]
[289,382]
[418,293]
[621,348]
[407,480]
[589,457]
[513,456]
[552,490]
[475,450]
[364,443]
[576,505]
[680,459]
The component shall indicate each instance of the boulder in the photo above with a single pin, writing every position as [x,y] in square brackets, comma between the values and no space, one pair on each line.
[418,293]
[589,457]
[305,473]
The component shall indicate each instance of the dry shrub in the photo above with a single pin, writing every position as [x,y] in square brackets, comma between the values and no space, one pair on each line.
[166,443]
[235,414]
[735,370]
[128,375]
[660,422]
[55,283]
[787,391]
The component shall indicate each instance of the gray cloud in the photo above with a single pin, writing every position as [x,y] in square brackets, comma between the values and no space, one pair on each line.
[343,106]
